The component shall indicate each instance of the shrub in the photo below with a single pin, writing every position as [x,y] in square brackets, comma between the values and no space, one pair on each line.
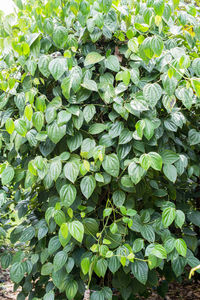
[100,104]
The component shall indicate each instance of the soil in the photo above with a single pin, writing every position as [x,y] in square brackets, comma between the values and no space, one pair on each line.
[6,287]
[187,290]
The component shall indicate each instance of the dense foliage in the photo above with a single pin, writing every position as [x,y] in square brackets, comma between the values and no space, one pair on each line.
[99,138]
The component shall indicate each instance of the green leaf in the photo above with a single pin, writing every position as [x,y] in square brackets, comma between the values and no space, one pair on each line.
[57,67]
[38,120]
[74,142]
[76,229]
[156,161]
[196,85]
[181,247]
[145,161]
[157,45]
[43,65]
[7,175]
[135,172]
[47,269]
[20,127]
[68,194]
[170,172]
[148,129]
[119,198]
[59,217]
[54,245]
[76,78]
[180,218]
[138,245]
[159,251]
[96,128]
[107,212]
[93,58]
[101,267]
[66,87]
[126,76]
[169,157]
[28,234]
[193,137]
[168,216]
[71,171]
[159,7]
[49,296]
[88,184]
[55,168]
[63,117]
[71,289]
[55,132]
[140,271]
[111,164]
[60,36]
[125,136]
[148,233]
[85,265]
[196,66]
[90,85]
[112,63]
[17,272]
[59,260]
[194,217]
[89,112]
[152,93]
[169,244]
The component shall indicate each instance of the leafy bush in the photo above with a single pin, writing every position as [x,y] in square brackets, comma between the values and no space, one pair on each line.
[100,104]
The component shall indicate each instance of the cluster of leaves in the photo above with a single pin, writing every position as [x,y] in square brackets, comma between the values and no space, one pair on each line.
[99,138]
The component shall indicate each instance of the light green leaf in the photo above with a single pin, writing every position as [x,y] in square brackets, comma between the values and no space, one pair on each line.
[85,265]
[10,125]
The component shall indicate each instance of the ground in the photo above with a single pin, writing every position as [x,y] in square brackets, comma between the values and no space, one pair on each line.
[188,290]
